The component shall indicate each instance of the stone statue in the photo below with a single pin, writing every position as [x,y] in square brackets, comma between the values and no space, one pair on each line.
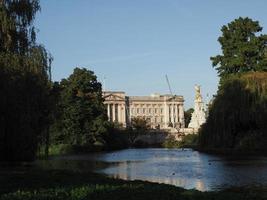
[198,116]
[198,94]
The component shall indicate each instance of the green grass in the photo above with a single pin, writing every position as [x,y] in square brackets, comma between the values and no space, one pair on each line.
[25,183]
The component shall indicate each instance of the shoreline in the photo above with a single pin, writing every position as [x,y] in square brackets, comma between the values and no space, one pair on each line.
[24,182]
[63,184]
[231,152]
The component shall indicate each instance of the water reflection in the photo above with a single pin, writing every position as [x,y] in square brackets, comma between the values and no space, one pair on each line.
[156,172]
[183,168]
[188,169]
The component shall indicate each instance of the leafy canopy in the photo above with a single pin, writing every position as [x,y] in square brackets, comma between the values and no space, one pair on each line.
[83,112]
[243,50]
[140,123]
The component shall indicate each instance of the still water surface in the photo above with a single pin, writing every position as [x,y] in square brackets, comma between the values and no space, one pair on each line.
[184,168]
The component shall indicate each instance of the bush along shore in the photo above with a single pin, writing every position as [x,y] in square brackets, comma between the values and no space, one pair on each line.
[188,141]
[56,184]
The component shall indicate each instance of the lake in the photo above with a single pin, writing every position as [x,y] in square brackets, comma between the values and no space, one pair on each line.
[184,168]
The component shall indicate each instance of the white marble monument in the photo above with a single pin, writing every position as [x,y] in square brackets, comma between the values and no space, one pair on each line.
[199,115]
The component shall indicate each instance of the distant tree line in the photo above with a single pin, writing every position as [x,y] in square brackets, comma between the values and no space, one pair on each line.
[238,113]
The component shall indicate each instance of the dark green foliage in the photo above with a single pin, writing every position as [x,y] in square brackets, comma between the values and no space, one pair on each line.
[171,143]
[60,149]
[140,124]
[23,114]
[80,121]
[81,113]
[188,141]
[237,117]
[243,49]
[17,32]
[187,116]
[116,137]
[24,82]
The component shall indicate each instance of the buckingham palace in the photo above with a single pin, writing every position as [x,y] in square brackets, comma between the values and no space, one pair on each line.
[162,111]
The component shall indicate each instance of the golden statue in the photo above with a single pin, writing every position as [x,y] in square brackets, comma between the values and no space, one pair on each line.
[198,94]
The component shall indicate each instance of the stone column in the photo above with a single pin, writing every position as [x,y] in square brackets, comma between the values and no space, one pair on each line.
[123,117]
[166,113]
[181,115]
[128,113]
[110,112]
[177,113]
[172,113]
[113,112]
[119,113]
[108,109]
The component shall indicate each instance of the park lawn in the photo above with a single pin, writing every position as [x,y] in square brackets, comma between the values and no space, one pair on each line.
[60,184]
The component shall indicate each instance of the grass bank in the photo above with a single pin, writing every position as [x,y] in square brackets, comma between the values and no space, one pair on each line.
[20,184]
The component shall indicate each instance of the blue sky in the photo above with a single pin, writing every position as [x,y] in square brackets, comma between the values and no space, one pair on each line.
[134,43]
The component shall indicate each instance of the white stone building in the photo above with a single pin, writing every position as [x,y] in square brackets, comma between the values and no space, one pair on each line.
[163,111]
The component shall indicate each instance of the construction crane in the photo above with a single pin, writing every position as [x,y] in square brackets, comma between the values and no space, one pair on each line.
[168,82]
[170,90]
[104,83]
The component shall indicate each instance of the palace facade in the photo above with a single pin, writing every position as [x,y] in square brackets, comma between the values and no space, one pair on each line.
[162,111]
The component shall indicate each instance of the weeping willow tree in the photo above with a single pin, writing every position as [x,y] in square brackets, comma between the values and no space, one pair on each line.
[237,117]
[24,81]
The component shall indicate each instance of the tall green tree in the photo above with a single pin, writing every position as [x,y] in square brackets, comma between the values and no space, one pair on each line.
[140,124]
[243,48]
[24,81]
[187,116]
[83,112]
[237,114]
